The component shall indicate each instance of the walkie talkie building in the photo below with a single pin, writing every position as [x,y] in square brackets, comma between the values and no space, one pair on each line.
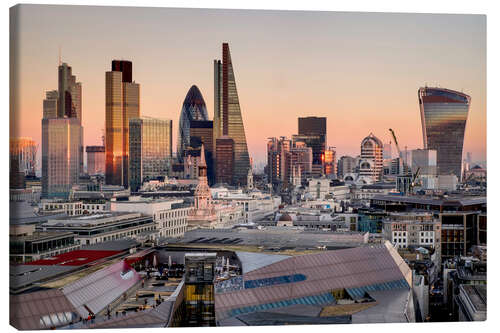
[444,115]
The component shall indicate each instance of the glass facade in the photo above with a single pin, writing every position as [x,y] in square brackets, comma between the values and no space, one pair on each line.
[193,109]
[60,155]
[150,150]
[122,104]
[227,116]
[444,115]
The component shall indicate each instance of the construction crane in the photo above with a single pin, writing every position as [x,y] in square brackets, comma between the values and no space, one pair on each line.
[405,168]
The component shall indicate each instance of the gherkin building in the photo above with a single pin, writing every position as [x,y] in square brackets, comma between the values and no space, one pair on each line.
[193,108]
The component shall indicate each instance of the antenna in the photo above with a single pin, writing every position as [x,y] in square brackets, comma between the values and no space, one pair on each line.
[59,55]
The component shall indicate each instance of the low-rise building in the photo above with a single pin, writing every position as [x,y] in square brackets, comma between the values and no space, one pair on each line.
[169,215]
[97,228]
[27,245]
[74,208]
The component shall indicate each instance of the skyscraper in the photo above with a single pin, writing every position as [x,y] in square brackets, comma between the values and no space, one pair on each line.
[224,159]
[201,132]
[150,149]
[50,104]
[227,115]
[193,109]
[371,161]
[444,115]
[122,104]
[60,155]
[312,131]
[62,135]
[96,160]
[70,101]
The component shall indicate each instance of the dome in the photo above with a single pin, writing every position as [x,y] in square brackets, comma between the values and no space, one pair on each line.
[285,218]
[371,140]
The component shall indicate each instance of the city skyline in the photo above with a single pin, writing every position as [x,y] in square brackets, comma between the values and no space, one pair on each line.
[279,71]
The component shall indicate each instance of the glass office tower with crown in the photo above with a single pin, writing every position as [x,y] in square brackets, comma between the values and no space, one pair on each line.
[227,115]
[444,115]
[122,104]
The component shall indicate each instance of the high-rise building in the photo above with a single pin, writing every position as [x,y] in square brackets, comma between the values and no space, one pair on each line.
[371,159]
[69,101]
[316,143]
[50,104]
[96,160]
[193,109]
[444,114]
[345,165]
[23,150]
[150,150]
[276,159]
[224,160]
[62,135]
[228,120]
[70,94]
[122,104]
[426,160]
[315,129]
[329,161]
[201,132]
[60,156]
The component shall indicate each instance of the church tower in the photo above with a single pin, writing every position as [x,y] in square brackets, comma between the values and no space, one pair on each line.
[202,196]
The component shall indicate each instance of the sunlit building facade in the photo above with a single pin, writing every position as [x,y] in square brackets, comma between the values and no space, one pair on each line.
[371,158]
[150,149]
[193,109]
[444,115]
[23,151]
[60,156]
[50,104]
[96,160]
[122,104]
[228,120]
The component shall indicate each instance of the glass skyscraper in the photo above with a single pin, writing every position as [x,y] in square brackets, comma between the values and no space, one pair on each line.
[62,135]
[122,104]
[227,115]
[150,149]
[444,115]
[193,109]
[60,155]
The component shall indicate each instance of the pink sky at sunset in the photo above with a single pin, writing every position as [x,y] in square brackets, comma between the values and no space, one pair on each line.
[360,70]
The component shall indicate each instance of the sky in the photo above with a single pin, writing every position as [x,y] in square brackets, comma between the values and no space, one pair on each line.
[360,70]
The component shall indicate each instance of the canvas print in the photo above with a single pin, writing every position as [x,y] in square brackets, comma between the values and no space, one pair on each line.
[176,167]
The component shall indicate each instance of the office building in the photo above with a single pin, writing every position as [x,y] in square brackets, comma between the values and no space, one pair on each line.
[193,109]
[201,132]
[444,114]
[224,160]
[228,120]
[96,160]
[345,166]
[169,215]
[150,149]
[312,131]
[69,101]
[122,104]
[329,161]
[60,155]
[99,228]
[371,159]
[50,104]
[23,151]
